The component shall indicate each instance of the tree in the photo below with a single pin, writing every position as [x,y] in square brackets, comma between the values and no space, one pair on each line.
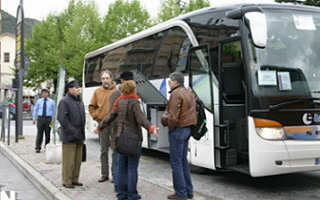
[80,25]
[304,2]
[312,2]
[195,5]
[62,40]
[173,8]
[43,51]
[169,9]
[288,1]
[124,18]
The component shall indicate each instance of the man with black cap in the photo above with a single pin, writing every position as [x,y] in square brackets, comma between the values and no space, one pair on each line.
[124,76]
[42,114]
[71,115]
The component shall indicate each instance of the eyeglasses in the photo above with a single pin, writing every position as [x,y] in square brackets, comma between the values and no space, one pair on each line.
[105,78]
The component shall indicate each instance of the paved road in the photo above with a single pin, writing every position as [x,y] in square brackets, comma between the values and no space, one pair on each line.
[11,179]
[154,167]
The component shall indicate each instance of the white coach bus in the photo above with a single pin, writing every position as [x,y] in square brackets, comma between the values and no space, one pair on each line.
[256,68]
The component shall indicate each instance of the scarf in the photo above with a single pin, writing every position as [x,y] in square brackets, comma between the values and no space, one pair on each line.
[115,106]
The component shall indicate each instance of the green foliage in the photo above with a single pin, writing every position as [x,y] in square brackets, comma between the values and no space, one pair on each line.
[312,2]
[62,40]
[195,5]
[80,24]
[305,2]
[9,24]
[43,51]
[287,1]
[65,40]
[169,9]
[124,18]
[172,8]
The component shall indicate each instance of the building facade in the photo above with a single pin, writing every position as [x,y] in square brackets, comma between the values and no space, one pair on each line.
[7,65]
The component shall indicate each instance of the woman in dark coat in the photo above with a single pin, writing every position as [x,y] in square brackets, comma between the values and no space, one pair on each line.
[71,116]
[129,117]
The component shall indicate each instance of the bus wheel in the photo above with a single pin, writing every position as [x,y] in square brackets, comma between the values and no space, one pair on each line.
[196,169]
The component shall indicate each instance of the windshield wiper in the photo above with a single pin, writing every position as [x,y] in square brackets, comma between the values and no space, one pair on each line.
[277,106]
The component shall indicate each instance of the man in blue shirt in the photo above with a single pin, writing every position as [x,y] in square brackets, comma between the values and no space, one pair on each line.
[43,113]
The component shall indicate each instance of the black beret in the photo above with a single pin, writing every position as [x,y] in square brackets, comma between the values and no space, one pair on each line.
[126,75]
[72,84]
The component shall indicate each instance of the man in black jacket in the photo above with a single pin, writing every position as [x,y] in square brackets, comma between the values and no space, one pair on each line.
[71,116]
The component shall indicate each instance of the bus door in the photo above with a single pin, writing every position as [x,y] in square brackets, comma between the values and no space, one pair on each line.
[154,104]
[231,139]
[203,84]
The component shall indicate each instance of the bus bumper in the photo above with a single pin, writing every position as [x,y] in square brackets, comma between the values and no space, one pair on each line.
[267,157]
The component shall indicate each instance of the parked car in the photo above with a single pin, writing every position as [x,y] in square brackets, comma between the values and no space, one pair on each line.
[26,105]
[12,109]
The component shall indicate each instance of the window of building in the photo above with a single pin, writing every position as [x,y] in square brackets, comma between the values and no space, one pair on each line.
[6,57]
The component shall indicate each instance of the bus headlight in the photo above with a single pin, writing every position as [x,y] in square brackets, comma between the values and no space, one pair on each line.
[269,129]
[271,133]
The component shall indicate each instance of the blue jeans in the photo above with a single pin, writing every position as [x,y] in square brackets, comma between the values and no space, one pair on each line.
[114,168]
[127,177]
[179,139]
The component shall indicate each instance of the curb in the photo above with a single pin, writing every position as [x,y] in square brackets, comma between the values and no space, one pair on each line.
[42,184]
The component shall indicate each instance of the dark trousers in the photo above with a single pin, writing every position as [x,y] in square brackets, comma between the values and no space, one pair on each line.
[114,167]
[127,177]
[43,127]
[179,142]
[104,138]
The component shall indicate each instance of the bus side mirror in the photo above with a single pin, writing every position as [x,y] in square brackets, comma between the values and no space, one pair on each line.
[258,27]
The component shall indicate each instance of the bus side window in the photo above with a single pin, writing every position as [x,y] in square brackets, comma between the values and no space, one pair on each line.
[168,55]
[183,54]
[231,78]
[232,73]
[92,67]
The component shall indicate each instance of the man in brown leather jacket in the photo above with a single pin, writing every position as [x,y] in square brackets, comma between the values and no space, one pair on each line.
[179,115]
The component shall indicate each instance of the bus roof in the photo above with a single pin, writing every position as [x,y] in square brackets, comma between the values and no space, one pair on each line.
[177,20]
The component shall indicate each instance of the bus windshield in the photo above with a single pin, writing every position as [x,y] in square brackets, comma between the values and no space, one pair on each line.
[288,68]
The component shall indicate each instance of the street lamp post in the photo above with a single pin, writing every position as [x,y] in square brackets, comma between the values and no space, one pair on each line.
[20,67]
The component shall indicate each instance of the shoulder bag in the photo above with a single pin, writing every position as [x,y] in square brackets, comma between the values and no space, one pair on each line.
[128,143]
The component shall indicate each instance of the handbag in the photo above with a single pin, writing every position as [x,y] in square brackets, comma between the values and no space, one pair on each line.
[84,153]
[128,143]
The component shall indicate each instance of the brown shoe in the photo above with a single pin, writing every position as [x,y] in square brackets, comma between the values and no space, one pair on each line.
[173,196]
[190,196]
[77,184]
[103,179]
[68,185]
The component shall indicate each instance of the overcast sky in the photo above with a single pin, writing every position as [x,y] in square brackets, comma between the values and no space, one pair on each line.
[39,9]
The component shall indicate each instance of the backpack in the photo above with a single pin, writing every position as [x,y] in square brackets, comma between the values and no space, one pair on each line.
[198,130]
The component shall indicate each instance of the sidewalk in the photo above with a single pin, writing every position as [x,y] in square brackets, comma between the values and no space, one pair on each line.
[47,177]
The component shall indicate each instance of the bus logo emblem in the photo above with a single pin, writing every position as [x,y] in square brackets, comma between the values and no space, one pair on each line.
[316,118]
[307,118]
